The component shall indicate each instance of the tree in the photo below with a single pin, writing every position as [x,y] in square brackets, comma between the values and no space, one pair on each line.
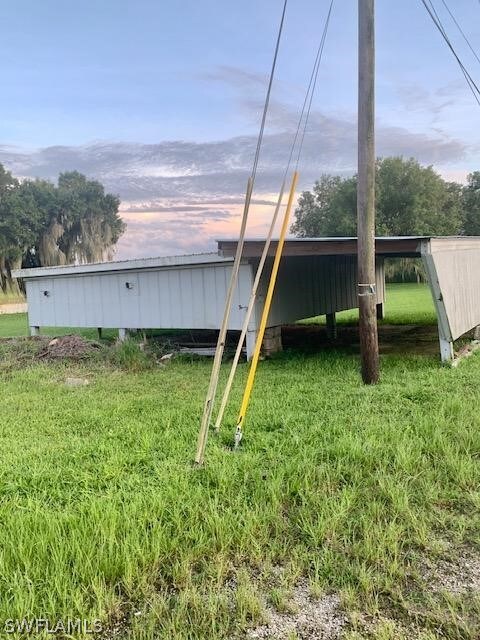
[40,210]
[10,229]
[410,200]
[42,224]
[85,226]
[471,205]
[313,211]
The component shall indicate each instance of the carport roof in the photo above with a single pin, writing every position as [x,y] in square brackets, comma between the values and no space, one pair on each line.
[394,246]
[391,246]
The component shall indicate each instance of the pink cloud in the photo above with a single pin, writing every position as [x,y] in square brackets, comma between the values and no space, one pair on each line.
[173,230]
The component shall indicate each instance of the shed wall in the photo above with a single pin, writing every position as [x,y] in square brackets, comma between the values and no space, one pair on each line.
[314,285]
[177,298]
[457,271]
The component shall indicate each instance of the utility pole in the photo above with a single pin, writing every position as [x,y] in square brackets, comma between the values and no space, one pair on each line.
[366,192]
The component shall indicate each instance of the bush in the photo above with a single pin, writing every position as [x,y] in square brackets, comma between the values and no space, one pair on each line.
[130,355]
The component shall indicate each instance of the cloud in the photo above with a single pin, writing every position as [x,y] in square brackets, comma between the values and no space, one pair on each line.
[452,89]
[440,151]
[238,78]
[194,205]
[178,195]
[219,170]
[415,97]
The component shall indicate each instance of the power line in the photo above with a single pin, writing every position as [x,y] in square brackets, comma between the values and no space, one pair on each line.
[309,94]
[305,114]
[318,61]
[269,91]
[438,23]
[461,30]
[470,81]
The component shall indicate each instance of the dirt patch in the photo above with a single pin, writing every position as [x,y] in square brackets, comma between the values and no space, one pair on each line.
[16,307]
[308,618]
[457,575]
[424,608]
[441,600]
[417,339]
[71,347]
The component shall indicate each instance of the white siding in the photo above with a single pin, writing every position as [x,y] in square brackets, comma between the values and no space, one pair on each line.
[313,285]
[190,297]
[454,274]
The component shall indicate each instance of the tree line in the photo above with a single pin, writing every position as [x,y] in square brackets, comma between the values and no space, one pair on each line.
[75,221]
[410,200]
[44,224]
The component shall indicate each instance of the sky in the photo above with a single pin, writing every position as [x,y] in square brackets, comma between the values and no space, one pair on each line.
[161,101]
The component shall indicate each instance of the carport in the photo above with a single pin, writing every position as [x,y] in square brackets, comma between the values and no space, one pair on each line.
[452,265]
[317,276]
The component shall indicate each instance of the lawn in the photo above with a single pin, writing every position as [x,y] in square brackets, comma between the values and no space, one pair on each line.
[14,325]
[406,303]
[363,493]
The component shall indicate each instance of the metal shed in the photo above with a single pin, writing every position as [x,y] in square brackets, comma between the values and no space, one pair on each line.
[176,292]
[317,276]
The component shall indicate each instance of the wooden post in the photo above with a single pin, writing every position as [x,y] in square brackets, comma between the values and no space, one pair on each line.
[366,193]
[331,326]
[272,340]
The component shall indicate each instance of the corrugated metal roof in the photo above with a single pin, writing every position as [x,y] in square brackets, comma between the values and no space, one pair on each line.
[335,239]
[123,265]
[253,247]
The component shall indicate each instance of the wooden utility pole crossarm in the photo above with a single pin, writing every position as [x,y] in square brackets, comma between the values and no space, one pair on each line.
[366,193]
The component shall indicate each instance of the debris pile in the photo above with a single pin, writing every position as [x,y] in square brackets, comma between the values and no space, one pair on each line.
[73,347]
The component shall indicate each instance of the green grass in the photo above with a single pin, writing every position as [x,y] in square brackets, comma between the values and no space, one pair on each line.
[406,303]
[104,516]
[14,325]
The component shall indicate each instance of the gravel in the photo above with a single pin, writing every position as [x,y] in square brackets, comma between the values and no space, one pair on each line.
[459,574]
[310,619]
